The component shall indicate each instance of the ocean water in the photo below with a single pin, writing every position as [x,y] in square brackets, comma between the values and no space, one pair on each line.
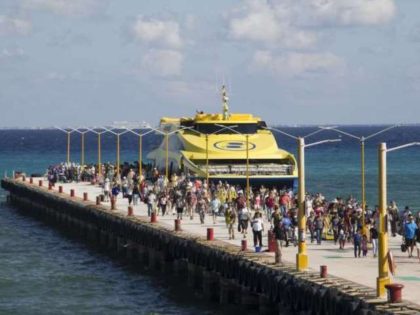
[43,272]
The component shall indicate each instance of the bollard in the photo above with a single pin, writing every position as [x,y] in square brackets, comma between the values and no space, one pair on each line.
[71,192]
[130,211]
[23,178]
[113,201]
[40,183]
[31,180]
[271,241]
[177,225]
[153,217]
[323,271]
[394,292]
[98,200]
[85,196]
[244,245]
[50,186]
[210,234]
[60,189]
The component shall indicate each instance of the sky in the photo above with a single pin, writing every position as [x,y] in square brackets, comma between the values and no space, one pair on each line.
[291,62]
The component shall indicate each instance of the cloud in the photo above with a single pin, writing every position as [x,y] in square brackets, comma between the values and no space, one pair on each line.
[297,64]
[163,33]
[14,26]
[350,12]
[297,23]
[163,62]
[65,7]
[266,22]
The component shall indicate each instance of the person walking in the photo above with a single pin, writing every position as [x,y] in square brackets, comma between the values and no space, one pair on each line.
[393,217]
[136,194]
[214,207]
[201,208]
[163,199]
[180,205]
[230,221]
[244,219]
[341,236]
[310,224]
[357,242]
[319,226]
[129,194]
[410,231]
[374,238]
[364,245]
[151,198]
[278,233]
[257,229]
[107,189]
[286,227]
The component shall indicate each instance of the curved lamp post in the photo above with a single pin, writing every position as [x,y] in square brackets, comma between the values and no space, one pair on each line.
[82,131]
[141,135]
[118,134]
[383,270]
[302,260]
[362,140]
[68,131]
[99,132]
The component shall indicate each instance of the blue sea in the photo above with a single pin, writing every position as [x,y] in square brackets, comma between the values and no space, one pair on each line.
[43,272]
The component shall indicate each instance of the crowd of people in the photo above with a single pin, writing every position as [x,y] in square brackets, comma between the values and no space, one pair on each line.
[267,208]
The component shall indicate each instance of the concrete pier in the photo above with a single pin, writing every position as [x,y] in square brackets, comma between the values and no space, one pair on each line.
[216,270]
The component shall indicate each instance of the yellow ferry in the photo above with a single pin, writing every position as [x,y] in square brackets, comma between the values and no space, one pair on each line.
[224,146]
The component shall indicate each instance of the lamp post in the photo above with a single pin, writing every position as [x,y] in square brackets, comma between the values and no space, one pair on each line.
[68,131]
[99,132]
[362,140]
[141,135]
[82,132]
[383,272]
[302,261]
[118,134]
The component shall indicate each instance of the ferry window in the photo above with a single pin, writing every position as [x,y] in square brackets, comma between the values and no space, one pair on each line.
[241,128]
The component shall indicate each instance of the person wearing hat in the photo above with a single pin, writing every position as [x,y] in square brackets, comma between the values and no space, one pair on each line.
[410,231]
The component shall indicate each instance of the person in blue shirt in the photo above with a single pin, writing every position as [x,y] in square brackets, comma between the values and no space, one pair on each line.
[357,242]
[286,224]
[410,231]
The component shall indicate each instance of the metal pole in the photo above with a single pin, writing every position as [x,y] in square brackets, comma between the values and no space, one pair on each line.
[383,275]
[207,159]
[82,160]
[301,256]
[99,155]
[68,147]
[247,171]
[118,155]
[140,156]
[167,156]
[362,163]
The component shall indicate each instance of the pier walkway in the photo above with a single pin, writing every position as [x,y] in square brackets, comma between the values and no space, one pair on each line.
[340,263]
